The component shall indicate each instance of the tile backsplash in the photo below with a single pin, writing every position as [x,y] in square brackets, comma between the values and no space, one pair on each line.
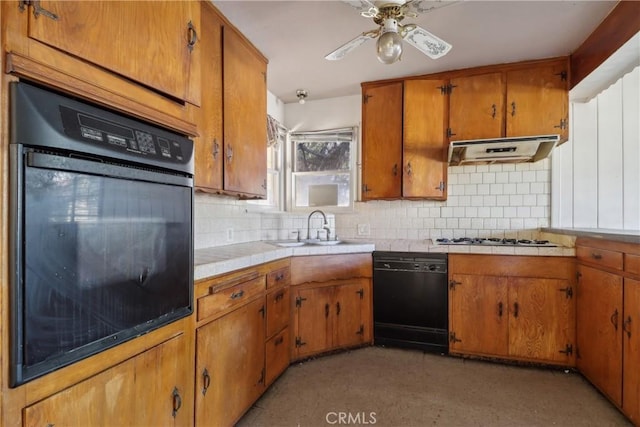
[510,200]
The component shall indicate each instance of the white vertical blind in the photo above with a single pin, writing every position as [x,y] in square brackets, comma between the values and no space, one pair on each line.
[596,174]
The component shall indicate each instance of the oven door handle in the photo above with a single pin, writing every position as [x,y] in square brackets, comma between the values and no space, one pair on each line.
[95,166]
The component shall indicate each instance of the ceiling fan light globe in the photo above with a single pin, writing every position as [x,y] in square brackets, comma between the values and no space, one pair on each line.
[389,47]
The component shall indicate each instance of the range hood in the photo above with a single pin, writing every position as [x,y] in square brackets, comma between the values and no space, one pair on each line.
[501,150]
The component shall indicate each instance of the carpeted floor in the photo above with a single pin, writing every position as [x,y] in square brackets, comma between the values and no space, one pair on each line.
[396,387]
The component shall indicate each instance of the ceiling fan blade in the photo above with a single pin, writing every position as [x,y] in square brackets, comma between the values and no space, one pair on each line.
[343,50]
[426,6]
[365,7]
[432,46]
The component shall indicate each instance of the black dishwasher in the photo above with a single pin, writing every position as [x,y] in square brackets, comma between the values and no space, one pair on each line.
[410,300]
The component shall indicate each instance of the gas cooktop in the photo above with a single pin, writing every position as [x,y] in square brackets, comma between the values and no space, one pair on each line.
[494,241]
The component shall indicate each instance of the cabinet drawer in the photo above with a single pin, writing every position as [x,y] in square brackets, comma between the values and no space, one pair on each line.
[632,263]
[279,277]
[218,301]
[278,308]
[601,257]
[277,355]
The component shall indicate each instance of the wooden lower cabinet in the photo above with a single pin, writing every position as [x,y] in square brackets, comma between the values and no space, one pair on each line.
[330,315]
[507,316]
[608,316]
[230,365]
[631,354]
[130,393]
[599,315]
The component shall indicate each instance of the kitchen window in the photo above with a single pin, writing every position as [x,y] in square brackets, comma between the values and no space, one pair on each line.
[322,168]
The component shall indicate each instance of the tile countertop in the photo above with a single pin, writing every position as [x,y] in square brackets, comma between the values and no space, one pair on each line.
[223,259]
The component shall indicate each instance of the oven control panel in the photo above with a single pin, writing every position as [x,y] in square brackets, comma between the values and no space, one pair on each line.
[119,137]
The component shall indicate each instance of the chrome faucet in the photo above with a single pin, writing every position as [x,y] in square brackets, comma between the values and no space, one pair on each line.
[325,225]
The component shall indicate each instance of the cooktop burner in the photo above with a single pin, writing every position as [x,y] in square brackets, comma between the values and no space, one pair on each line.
[493,241]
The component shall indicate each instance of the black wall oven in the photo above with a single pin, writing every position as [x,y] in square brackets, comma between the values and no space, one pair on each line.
[102,229]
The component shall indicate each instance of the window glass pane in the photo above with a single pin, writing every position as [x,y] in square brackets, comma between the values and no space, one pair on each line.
[322,190]
[322,156]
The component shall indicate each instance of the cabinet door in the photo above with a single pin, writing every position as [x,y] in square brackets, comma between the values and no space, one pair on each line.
[537,101]
[599,319]
[153,43]
[478,315]
[476,108]
[348,325]
[277,310]
[631,356]
[277,355]
[208,148]
[245,116]
[166,370]
[104,399]
[313,326]
[424,134]
[230,356]
[382,142]
[541,320]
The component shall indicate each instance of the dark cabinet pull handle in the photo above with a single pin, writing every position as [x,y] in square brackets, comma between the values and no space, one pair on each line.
[278,296]
[409,171]
[326,310]
[395,169]
[513,108]
[38,10]
[229,153]
[206,381]
[279,277]
[626,326]
[338,308]
[237,295]
[177,402]
[614,319]
[279,340]
[494,111]
[500,309]
[595,255]
[216,149]
[193,36]
[516,309]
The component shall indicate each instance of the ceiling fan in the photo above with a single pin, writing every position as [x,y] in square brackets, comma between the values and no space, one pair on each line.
[390,33]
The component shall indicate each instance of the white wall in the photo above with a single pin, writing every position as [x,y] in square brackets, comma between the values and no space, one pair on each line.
[596,179]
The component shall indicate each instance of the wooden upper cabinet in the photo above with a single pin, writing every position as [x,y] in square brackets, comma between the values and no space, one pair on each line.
[423,148]
[245,116]
[152,43]
[477,107]
[382,141]
[208,147]
[403,154]
[538,101]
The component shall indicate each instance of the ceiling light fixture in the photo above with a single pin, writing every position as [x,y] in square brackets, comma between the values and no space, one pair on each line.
[389,44]
[302,95]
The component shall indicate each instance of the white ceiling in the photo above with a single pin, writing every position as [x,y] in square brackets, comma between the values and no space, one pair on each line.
[296,35]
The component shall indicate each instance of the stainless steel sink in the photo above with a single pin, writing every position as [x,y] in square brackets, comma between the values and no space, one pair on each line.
[327,242]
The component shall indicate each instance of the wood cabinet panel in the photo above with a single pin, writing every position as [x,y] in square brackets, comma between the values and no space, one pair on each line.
[171,60]
[382,142]
[209,146]
[121,394]
[632,264]
[325,268]
[278,304]
[537,101]
[245,116]
[631,355]
[279,277]
[313,329]
[230,373]
[600,257]
[599,316]
[424,134]
[277,355]
[541,325]
[348,326]
[217,301]
[478,315]
[477,106]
